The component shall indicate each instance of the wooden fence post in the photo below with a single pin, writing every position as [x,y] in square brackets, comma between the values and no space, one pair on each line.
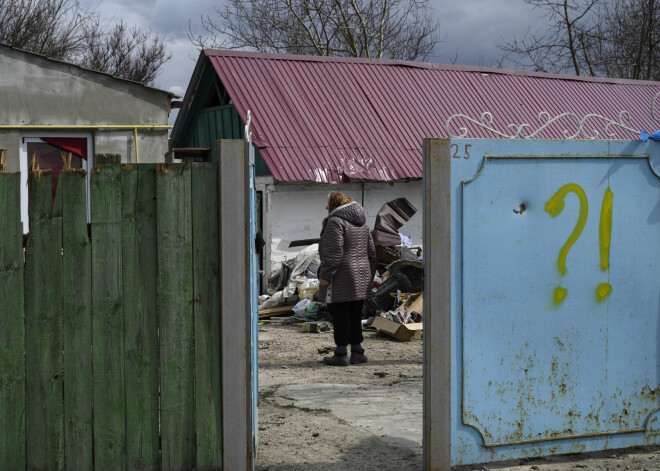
[12,330]
[43,327]
[175,316]
[77,322]
[107,320]
[139,276]
[206,308]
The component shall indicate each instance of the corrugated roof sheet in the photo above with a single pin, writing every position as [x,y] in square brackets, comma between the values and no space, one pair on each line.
[337,119]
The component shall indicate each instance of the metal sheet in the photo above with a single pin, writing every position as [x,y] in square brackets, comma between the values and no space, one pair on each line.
[335,119]
[536,370]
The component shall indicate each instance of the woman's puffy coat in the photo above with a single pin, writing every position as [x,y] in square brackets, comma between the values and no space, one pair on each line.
[348,255]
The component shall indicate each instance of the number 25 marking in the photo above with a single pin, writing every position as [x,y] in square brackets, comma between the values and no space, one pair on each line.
[455,154]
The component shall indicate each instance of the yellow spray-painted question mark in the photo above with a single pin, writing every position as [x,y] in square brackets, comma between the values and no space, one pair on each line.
[555,206]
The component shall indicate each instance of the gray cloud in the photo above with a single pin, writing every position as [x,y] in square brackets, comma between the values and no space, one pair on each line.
[473,28]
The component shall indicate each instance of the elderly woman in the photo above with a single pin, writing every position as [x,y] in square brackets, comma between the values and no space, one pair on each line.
[348,262]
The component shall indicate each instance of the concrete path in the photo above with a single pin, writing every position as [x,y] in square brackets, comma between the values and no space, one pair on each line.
[394,411]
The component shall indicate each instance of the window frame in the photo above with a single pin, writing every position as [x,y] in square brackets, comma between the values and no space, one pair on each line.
[35,136]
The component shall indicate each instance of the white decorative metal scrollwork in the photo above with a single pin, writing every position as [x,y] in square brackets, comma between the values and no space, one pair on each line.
[545,119]
[655,99]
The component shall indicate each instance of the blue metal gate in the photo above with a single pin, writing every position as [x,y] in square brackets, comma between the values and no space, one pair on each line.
[554,297]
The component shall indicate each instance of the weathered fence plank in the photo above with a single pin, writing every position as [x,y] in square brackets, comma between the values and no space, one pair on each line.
[107,320]
[206,282]
[139,269]
[77,336]
[175,308]
[12,330]
[43,328]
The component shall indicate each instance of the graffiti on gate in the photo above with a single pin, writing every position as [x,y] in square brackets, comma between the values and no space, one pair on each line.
[555,206]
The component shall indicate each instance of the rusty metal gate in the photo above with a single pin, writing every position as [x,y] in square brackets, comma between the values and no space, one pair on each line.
[543,272]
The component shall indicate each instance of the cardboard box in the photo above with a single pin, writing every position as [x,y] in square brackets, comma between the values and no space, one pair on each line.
[398,331]
[415,303]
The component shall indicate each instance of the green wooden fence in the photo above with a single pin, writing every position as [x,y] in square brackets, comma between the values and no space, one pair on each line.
[110,334]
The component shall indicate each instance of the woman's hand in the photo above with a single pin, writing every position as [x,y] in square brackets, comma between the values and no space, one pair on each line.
[324,282]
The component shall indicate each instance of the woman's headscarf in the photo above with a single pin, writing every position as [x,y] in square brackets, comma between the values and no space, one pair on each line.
[336,200]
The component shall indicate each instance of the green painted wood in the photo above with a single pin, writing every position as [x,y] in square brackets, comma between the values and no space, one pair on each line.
[202,128]
[211,127]
[206,282]
[107,319]
[175,311]
[77,315]
[43,328]
[12,330]
[227,126]
[139,270]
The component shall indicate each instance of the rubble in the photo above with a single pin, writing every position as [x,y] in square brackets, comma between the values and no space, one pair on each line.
[293,288]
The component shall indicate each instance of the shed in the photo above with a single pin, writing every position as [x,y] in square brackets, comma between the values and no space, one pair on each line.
[48,106]
[319,122]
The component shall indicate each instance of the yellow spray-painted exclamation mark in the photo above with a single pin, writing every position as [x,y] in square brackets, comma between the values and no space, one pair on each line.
[604,239]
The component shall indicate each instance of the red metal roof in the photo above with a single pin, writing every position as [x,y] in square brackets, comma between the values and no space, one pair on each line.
[336,119]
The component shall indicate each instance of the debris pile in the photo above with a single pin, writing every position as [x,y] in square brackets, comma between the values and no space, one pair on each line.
[396,297]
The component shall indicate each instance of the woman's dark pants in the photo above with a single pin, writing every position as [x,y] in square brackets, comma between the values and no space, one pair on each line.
[347,322]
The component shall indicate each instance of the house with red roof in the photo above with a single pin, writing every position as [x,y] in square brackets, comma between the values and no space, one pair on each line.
[321,123]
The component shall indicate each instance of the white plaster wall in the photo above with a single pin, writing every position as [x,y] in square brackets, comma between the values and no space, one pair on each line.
[295,211]
[10,141]
[152,145]
[38,91]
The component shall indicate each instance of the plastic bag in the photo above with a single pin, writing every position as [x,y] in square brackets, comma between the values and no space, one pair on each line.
[645,137]
[300,309]
[312,309]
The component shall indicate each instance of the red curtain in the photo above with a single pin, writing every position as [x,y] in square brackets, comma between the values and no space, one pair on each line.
[75,145]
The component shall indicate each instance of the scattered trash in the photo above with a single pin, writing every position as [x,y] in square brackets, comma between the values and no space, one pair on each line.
[315,327]
[382,374]
[398,331]
[300,309]
[291,275]
[312,309]
[389,307]
[308,289]
[391,216]
[325,350]
[405,321]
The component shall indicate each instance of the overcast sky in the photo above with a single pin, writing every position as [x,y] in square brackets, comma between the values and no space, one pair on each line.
[472,27]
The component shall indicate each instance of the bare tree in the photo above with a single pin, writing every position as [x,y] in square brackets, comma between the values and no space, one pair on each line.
[65,30]
[564,46]
[612,38]
[51,27]
[123,51]
[630,45]
[395,29]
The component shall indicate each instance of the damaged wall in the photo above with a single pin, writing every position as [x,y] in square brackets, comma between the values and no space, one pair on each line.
[293,212]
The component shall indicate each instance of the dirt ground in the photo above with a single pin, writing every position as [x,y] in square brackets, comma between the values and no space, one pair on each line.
[294,438]
[291,438]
